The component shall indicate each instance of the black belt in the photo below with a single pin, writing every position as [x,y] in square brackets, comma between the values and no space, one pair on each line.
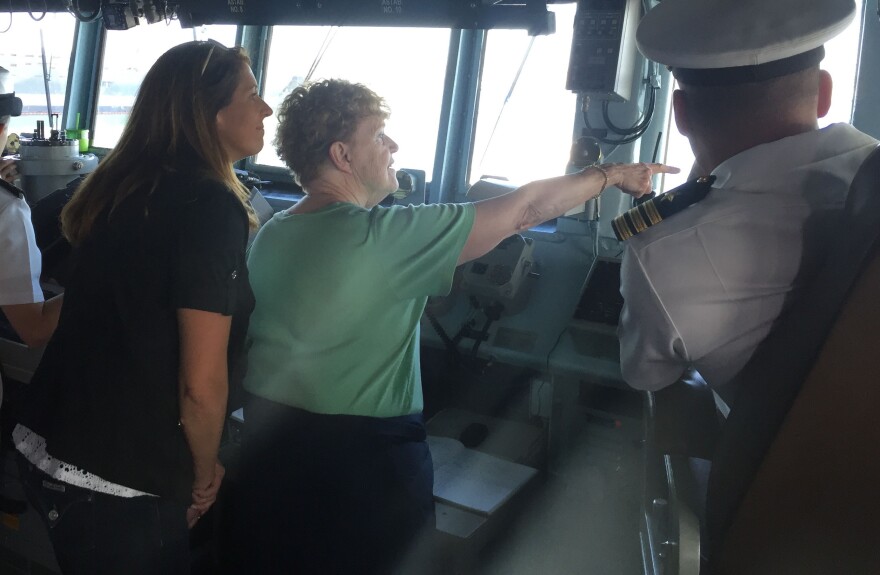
[262,413]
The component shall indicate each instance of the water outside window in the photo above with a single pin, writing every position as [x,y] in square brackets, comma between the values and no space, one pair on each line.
[21,54]
[406,66]
[128,54]
[524,124]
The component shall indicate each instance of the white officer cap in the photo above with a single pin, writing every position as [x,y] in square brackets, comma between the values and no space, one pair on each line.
[723,42]
[10,105]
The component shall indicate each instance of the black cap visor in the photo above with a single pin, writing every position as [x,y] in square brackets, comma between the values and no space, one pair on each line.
[748,74]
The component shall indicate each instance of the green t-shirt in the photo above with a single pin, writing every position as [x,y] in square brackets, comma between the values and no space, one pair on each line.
[340,293]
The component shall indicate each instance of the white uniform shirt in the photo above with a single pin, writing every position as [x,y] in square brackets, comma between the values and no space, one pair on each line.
[703,288]
[20,261]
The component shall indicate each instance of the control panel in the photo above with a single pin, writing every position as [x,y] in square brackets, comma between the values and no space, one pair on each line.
[600,302]
[603,50]
[500,275]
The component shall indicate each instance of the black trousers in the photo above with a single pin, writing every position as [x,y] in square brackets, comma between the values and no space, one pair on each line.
[98,534]
[331,493]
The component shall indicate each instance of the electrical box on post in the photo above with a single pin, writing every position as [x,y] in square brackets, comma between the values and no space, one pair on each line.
[603,49]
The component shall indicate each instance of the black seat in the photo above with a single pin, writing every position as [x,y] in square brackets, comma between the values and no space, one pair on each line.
[799,351]
[774,413]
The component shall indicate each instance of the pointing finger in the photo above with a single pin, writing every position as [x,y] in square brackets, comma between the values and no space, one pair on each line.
[663,169]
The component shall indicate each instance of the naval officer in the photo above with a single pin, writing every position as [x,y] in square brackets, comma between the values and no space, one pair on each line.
[703,287]
[21,298]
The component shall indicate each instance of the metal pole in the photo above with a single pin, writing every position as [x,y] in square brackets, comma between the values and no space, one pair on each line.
[46,82]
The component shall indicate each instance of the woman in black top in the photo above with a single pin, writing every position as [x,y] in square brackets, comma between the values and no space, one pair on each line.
[126,410]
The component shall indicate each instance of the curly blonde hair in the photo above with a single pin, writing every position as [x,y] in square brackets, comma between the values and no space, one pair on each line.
[316,114]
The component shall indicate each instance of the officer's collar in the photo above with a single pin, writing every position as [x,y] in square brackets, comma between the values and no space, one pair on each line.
[768,161]
[7,187]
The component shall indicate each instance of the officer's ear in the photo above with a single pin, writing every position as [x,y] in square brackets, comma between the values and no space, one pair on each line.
[826,85]
[679,110]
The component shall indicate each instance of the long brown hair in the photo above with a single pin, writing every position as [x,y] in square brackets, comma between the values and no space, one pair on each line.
[172,126]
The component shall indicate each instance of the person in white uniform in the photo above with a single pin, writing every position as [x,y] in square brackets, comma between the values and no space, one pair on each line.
[21,298]
[703,287]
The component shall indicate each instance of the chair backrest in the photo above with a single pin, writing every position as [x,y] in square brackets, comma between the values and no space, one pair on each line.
[814,504]
[772,381]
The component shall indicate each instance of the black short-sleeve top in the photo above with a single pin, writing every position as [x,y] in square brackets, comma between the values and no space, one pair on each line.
[105,396]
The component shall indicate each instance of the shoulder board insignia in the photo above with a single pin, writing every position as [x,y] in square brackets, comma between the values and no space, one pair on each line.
[658,208]
[14,190]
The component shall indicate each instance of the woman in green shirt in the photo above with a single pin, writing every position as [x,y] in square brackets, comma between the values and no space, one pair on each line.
[337,473]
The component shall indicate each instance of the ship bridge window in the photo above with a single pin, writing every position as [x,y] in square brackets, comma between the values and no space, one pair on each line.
[524,125]
[128,54]
[406,66]
[838,61]
[21,53]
